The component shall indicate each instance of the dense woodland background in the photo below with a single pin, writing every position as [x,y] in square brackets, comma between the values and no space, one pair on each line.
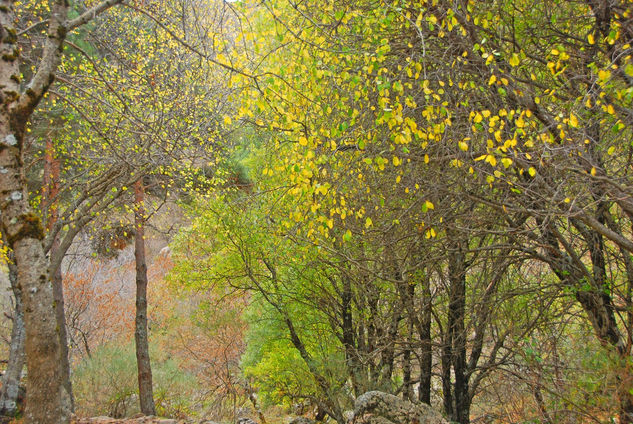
[280,205]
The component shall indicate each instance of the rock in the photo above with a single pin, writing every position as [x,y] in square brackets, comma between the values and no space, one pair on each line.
[348,415]
[382,408]
[302,420]
[245,420]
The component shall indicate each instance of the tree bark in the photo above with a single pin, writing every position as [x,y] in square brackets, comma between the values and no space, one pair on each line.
[47,396]
[445,361]
[23,230]
[50,212]
[456,317]
[11,377]
[426,354]
[146,394]
[347,327]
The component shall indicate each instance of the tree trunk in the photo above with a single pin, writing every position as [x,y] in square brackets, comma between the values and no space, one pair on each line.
[407,383]
[11,377]
[347,327]
[47,395]
[445,361]
[456,316]
[426,354]
[22,228]
[146,394]
[50,212]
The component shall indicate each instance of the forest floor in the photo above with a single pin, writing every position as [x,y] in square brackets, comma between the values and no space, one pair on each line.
[139,420]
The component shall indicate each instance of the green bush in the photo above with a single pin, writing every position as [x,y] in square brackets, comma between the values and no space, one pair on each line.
[106,383]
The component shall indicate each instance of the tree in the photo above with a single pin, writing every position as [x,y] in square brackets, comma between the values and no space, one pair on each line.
[524,106]
[15,364]
[47,396]
[146,396]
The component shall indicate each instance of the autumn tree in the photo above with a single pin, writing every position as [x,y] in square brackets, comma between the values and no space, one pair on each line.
[524,117]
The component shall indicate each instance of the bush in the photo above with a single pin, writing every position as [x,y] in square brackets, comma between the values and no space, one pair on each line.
[106,383]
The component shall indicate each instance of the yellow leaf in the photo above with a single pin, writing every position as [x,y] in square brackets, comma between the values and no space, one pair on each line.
[514,60]
[590,39]
[520,123]
[368,223]
[573,121]
[463,146]
[532,171]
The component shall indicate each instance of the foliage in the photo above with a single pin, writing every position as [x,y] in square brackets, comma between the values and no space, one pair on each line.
[106,383]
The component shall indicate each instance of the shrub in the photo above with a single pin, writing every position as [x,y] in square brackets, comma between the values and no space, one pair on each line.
[106,383]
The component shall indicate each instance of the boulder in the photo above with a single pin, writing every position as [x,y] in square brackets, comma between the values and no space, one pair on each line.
[245,420]
[382,408]
[302,420]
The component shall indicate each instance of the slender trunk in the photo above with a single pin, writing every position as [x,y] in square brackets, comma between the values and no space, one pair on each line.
[407,383]
[330,405]
[456,315]
[407,293]
[426,354]
[146,395]
[624,396]
[11,377]
[253,398]
[540,403]
[351,354]
[373,338]
[388,351]
[50,211]
[445,361]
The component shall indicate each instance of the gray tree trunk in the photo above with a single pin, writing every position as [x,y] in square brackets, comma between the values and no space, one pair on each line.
[50,214]
[47,398]
[11,377]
